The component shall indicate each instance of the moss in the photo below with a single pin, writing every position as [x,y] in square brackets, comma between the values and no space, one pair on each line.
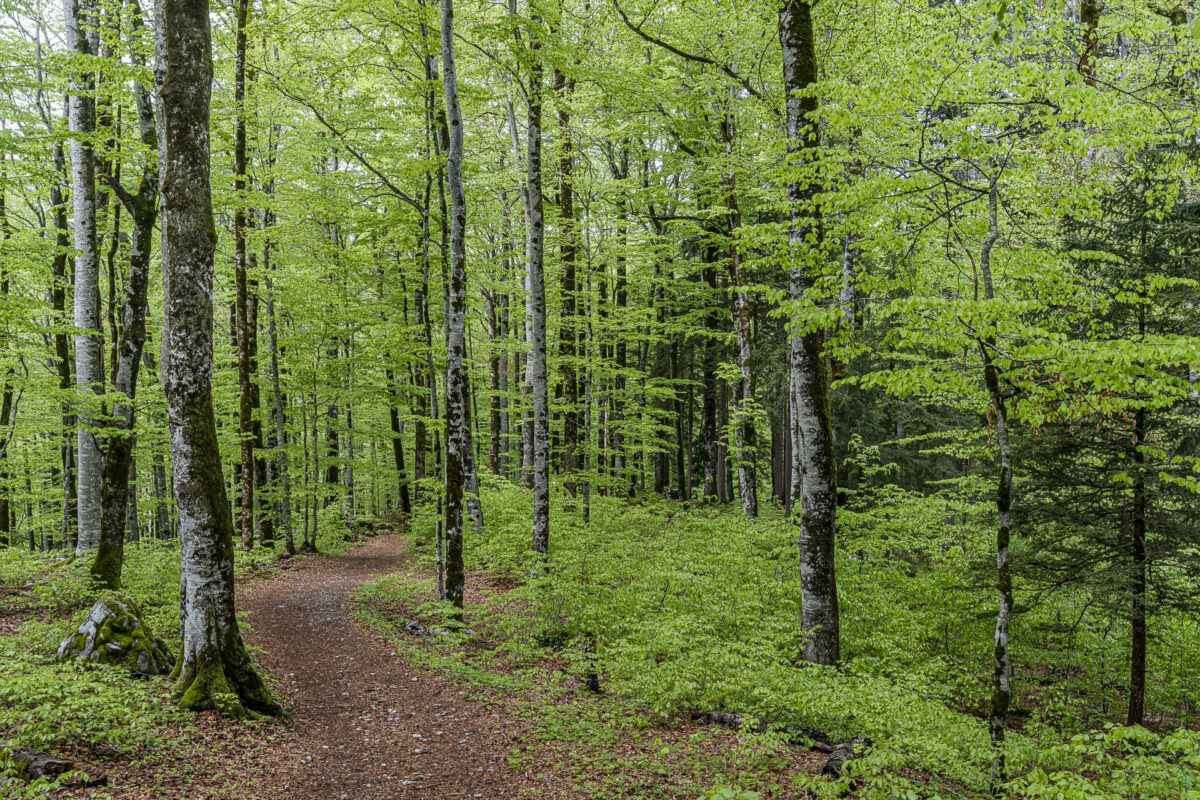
[203,686]
[106,569]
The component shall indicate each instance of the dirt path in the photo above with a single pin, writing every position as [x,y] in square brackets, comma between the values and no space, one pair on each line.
[368,726]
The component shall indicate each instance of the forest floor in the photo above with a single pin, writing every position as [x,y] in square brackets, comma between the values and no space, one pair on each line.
[367,725]
[379,713]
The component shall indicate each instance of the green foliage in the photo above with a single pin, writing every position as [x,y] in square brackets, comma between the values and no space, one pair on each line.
[681,610]
[1125,763]
[48,706]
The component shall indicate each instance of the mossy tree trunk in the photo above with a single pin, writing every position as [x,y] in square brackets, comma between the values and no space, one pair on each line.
[143,209]
[214,670]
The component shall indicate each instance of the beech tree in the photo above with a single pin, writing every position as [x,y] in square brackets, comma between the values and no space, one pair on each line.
[214,663]
[82,39]
[813,472]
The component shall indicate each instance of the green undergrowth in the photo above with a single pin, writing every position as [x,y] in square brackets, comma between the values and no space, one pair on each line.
[681,609]
[97,710]
[603,747]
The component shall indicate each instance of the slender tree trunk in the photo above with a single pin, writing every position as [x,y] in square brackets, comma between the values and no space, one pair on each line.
[1137,656]
[568,329]
[537,303]
[398,447]
[620,349]
[245,408]
[1089,16]
[89,356]
[6,382]
[132,524]
[681,442]
[284,504]
[813,471]
[162,510]
[265,521]
[710,438]
[1001,661]
[457,442]
[62,349]
[494,357]
[744,432]
[143,208]
[214,670]
[117,498]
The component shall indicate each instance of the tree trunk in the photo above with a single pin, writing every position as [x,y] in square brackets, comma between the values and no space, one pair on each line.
[537,304]
[620,171]
[812,472]
[709,436]
[398,447]
[89,356]
[1001,661]
[62,349]
[283,504]
[214,670]
[133,531]
[744,432]
[568,328]
[457,441]
[493,332]
[6,385]
[143,208]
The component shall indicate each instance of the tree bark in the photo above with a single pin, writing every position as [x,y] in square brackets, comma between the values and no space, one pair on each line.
[143,208]
[398,447]
[744,432]
[812,471]
[710,440]
[214,670]
[568,327]
[119,463]
[6,384]
[457,442]
[1001,661]
[89,356]
[537,303]
[1137,657]
[284,504]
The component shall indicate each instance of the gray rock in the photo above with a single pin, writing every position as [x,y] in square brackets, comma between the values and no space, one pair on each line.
[115,632]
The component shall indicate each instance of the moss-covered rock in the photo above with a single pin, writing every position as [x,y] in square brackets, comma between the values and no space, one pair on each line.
[116,633]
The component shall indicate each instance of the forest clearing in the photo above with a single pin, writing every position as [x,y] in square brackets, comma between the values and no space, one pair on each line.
[599,399]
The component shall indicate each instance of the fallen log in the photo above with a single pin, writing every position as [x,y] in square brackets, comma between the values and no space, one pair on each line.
[835,765]
[795,734]
[29,765]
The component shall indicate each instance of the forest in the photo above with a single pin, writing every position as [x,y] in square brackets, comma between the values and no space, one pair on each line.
[705,399]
